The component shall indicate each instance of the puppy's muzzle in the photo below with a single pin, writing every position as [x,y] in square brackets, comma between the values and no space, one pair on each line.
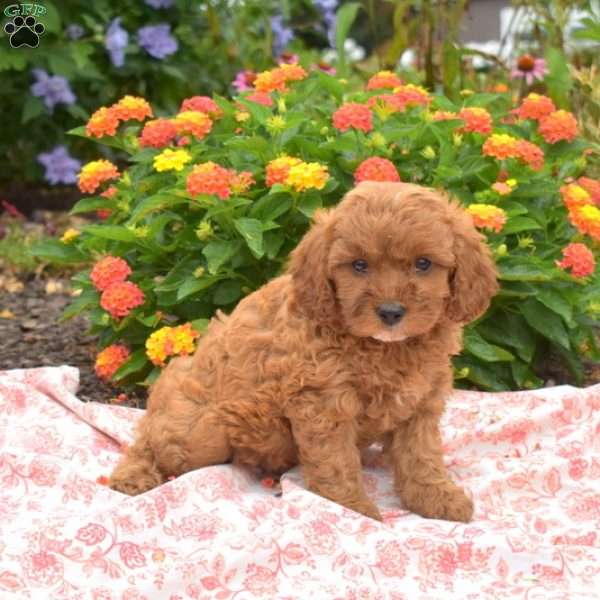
[390,313]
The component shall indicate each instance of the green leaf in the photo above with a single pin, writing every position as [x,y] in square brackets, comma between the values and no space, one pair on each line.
[217,253]
[227,292]
[273,241]
[517,289]
[79,304]
[258,112]
[344,18]
[252,232]
[78,131]
[525,269]
[81,51]
[546,322]
[57,252]
[509,329]
[11,60]
[517,224]
[200,325]
[32,107]
[111,232]
[154,203]
[135,363]
[524,376]
[61,63]
[331,85]
[483,375]
[90,204]
[556,302]
[309,203]
[51,18]
[193,285]
[271,206]
[558,80]
[451,68]
[479,348]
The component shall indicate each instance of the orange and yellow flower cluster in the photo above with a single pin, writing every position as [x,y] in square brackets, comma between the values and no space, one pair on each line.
[487,216]
[579,258]
[95,173]
[170,341]
[119,297]
[502,146]
[213,179]
[193,122]
[295,173]
[557,126]
[384,79]
[376,169]
[202,104]
[403,97]
[535,107]
[106,120]
[582,199]
[278,78]
[110,360]
[158,133]
[353,115]
[477,120]
[109,270]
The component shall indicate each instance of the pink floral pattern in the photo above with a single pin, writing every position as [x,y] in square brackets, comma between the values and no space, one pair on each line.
[531,460]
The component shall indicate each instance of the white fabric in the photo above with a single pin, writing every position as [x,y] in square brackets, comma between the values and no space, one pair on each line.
[531,460]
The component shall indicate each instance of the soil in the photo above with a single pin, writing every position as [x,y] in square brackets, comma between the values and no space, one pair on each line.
[32,335]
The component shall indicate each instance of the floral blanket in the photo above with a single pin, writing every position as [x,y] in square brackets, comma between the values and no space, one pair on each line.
[530,459]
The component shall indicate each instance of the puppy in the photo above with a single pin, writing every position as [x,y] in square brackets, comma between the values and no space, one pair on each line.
[351,346]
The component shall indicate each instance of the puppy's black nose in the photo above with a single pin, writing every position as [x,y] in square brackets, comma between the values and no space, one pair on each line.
[390,312]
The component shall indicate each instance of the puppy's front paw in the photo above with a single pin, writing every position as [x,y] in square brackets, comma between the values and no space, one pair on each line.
[446,501]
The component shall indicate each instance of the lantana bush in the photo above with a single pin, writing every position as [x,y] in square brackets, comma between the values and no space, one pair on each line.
[213,199]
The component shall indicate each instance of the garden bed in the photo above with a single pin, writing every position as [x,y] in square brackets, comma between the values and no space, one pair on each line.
[33,336]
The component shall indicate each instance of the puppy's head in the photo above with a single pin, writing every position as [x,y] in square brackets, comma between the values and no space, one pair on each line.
[390,261]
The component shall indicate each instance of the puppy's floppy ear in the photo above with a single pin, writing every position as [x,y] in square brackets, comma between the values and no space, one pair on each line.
[473,282]
[313,290]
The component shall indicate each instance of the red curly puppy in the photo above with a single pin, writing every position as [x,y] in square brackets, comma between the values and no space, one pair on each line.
[350,347]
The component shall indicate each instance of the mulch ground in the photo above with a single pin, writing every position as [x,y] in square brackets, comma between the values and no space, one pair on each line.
[33,335]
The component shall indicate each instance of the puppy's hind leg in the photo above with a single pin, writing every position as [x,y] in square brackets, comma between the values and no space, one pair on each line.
[137,472]
[184,444]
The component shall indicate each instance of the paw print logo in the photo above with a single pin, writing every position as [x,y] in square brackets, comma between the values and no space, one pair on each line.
[24,32]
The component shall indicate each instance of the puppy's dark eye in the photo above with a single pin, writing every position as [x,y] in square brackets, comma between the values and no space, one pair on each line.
[422,264]
[360,266]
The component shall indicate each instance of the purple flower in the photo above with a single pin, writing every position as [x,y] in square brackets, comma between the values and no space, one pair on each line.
[60,166]
[74,31]
[115,41]
[54,89]
[159,3]
[327,9]
[282,35]
[157,40]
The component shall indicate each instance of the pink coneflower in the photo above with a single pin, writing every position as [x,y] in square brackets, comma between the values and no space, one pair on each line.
[288,58]
[529,68]
[244,80]
[325,67]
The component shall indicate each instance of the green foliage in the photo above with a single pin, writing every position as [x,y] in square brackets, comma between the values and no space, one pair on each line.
[214,41]
[192,254]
